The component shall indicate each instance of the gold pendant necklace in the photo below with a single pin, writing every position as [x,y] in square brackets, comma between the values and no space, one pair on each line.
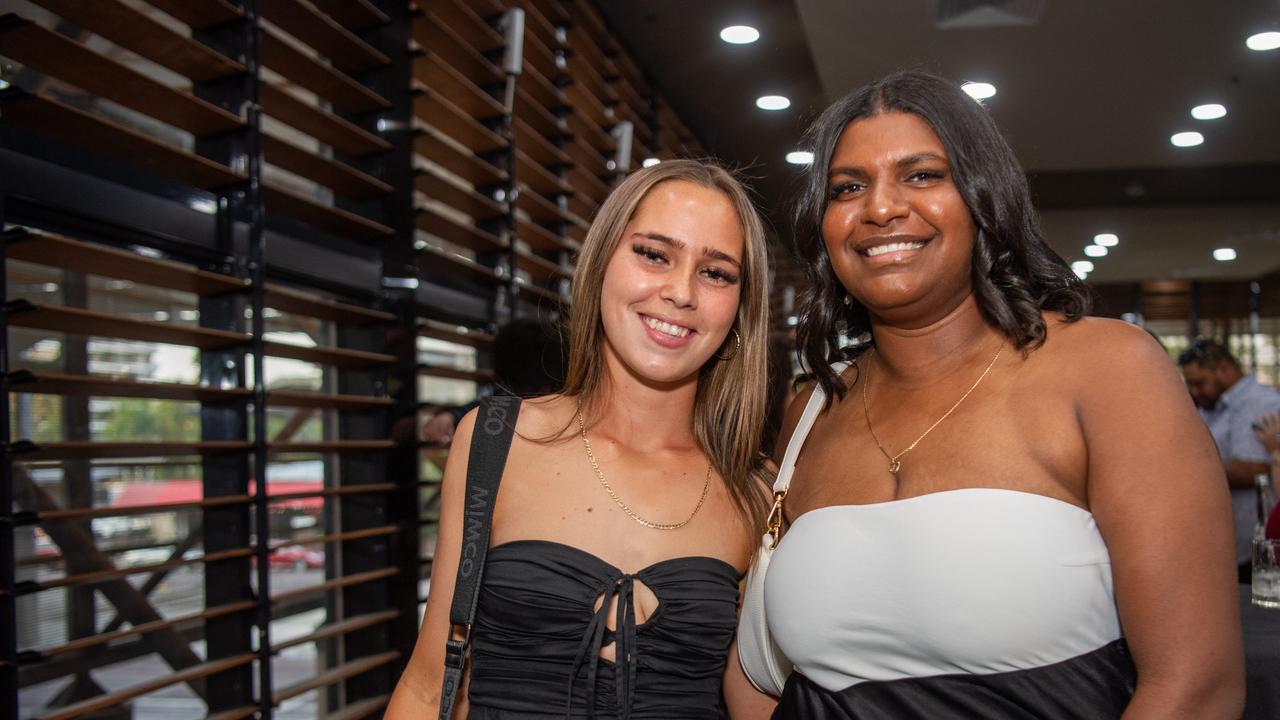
[895,461]
[706,485]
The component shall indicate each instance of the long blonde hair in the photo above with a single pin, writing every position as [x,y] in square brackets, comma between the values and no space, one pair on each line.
[730,405]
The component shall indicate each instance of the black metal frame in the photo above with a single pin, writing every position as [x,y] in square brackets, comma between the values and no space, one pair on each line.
[8,602]
[45,184]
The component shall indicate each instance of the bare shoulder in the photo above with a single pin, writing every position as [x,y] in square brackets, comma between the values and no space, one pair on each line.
[789,422]
[545,417]
[1099,350]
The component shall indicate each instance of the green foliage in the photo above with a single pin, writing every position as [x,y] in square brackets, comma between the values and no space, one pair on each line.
[151,420]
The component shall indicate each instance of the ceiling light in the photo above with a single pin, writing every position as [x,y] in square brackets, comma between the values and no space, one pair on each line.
[1263,41]
[979,90]
[1082,266]
[1224,254]
[1081,274]
[650,161]
[1095,250]
[1211,111]
[1106,240]
[772,102]
[1190,138]
[800,157]
[739,34]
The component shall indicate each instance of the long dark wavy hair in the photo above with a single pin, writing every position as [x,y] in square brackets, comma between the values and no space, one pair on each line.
[1015,274]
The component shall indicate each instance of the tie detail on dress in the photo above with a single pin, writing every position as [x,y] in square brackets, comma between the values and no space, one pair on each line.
[593,641]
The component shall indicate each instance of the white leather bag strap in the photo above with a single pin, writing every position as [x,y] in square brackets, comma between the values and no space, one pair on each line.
[773,525]
[810,415]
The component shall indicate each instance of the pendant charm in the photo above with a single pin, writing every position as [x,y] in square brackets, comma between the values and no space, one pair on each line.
[894,465]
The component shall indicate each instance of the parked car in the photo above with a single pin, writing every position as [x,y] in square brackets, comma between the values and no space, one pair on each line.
[296,557]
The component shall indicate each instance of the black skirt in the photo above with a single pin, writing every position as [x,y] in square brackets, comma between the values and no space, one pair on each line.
[1093,686]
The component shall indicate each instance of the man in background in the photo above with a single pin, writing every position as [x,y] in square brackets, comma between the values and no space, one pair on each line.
[1230,403]
[529,360]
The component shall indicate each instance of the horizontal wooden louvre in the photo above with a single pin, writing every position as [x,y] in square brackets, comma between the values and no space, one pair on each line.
[257,247]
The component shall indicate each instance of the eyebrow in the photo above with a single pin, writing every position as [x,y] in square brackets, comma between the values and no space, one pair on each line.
[680,245]
[904,162]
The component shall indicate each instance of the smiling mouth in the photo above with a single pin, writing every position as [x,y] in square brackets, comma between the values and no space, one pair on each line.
[891,247]
[667,328]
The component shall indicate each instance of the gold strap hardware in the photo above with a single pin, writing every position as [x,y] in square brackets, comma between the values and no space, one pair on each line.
[773,525]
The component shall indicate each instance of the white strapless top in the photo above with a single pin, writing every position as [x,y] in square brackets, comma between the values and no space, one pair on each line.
[974,580]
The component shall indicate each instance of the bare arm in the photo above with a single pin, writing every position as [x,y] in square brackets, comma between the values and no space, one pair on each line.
[744,700]
[417,694]
[1155,488]
[1240,473]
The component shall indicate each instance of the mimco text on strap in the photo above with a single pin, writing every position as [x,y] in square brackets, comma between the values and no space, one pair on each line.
[490,442]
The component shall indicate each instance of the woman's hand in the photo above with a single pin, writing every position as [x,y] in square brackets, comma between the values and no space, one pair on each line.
[1267,428]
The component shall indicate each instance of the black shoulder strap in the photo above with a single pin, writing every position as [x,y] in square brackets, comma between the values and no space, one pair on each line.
[490,442]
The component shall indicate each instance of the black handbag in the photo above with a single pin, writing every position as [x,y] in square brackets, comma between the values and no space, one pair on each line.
[490,443]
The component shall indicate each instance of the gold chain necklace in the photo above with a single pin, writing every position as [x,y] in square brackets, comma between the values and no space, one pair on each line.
[706,485]
[895,463]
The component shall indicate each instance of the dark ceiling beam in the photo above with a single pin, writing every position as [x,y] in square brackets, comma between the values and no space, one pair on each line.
[1145,187]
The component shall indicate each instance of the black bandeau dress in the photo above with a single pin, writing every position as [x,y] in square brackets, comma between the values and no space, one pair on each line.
[537,637]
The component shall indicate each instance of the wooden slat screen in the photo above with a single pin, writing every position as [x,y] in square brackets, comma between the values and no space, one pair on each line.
[256,243]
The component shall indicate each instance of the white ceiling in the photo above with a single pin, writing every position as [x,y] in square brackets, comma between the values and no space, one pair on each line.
[1094,84]
[1100,85]
[1088,97]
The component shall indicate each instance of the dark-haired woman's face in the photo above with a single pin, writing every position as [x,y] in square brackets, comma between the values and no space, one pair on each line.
[899,235]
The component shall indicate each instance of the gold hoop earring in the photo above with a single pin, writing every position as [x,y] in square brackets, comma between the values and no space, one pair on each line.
[737,345]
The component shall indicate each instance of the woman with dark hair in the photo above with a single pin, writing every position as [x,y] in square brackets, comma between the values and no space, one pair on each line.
[997,507]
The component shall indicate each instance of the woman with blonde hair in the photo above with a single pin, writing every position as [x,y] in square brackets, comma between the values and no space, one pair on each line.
[629,502]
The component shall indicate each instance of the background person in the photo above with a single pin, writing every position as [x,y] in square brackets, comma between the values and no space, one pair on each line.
[529,358]
[1231,403]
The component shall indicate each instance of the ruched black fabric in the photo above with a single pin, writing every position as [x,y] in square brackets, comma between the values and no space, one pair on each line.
[1093,686]
[535,645]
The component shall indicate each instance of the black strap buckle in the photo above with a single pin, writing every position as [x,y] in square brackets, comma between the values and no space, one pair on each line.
[455,653]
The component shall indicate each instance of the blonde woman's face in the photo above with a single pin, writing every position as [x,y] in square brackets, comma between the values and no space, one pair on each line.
[671,288]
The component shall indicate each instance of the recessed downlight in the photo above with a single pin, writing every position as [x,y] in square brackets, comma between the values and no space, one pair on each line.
[650,161]
[739,34]
[773,102]
[800,157]
[1095,251]
[1106,240]
[1191,138]
[1263,41]
[1081,268]
[1224,254]
[1209,111]
[979,90]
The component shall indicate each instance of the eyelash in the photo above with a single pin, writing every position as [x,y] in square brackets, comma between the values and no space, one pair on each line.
[714,274]
[916,176]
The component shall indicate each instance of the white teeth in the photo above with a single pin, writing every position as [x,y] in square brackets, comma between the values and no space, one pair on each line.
[892,247]
[666,328]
